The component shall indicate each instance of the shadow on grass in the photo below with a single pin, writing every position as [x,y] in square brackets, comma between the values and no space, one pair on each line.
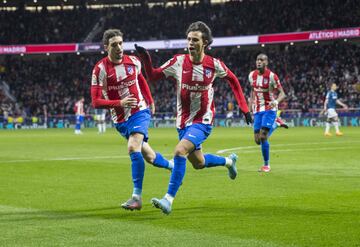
[187,213]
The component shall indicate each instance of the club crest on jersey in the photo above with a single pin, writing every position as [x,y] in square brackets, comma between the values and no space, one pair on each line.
[130,70]
[266,81]
[208,73]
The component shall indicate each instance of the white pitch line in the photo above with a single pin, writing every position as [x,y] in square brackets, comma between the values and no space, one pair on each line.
[301,149]
[282,145]
[70,158]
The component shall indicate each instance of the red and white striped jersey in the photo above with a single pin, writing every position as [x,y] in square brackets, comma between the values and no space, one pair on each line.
[113,82]
[79,108]
[263,88]
[195,93]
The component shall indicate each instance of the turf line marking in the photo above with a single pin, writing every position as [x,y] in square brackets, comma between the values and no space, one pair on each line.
[301,149]
[71,158]
[282,145]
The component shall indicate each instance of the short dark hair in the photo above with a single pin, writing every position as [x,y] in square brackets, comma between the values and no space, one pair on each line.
[108,34]
[263,54]
[203,28]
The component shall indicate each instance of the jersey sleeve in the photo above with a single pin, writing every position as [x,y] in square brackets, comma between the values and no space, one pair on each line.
[145,90]
[250,77]
[237,90]
[274,81]
[169,68]
[221,70]
[97,82]
[327,95]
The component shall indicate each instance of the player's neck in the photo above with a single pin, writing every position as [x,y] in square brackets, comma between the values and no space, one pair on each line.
[114,60]
[261,71]
[197,58]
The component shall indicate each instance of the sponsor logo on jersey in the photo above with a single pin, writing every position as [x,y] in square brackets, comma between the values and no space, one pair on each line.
[123,85]
[196,87]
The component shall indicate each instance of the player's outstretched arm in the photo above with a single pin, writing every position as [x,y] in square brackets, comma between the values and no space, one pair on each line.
[153,74]
[239,95]
[342,104]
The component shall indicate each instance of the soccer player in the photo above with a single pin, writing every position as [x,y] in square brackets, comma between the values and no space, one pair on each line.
[118,85]
[329,108]
[79,114]
[264,105]
[194,74]
[100,115]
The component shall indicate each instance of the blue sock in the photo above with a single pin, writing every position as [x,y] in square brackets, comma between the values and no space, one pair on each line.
[214,160]
[177,175]
[265,149]
[137,171]
[160,161]
[77,126]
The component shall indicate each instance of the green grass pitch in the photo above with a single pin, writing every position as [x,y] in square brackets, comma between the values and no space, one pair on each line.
[59,189]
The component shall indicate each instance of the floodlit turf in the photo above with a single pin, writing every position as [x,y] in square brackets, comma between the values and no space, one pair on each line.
[58,189]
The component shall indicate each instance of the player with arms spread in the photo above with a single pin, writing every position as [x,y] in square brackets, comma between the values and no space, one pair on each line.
[194,74]
[329,108]
[264,105]
[118,85]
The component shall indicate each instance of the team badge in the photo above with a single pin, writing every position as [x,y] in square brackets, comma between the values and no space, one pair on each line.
[208,73]
[266,81]
[130,70]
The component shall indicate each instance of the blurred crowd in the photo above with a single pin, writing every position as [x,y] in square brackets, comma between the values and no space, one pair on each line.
[51,84]
[142,23]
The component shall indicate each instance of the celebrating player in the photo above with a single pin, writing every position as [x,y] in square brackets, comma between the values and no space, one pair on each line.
[117,84]
[79,114]
[194,74]
[264,106]
[329,108]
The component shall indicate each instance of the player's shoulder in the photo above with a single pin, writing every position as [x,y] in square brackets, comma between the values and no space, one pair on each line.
[131,59]
[101,62]
[100,65]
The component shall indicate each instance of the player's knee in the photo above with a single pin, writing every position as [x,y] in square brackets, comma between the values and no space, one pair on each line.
[134,147]
[198,166]
[180,151]
[257,140]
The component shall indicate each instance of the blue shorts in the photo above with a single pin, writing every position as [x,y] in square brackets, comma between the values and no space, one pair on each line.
[264,119]
[137,123]
[79,119]
[195,133]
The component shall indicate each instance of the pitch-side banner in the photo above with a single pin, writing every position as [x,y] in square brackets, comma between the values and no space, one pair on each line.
[342,33]
[331,34]
[33,49]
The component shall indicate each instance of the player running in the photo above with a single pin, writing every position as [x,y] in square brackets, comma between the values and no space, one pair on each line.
[118,85]
[194,74]
[264,106]
[329,108]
